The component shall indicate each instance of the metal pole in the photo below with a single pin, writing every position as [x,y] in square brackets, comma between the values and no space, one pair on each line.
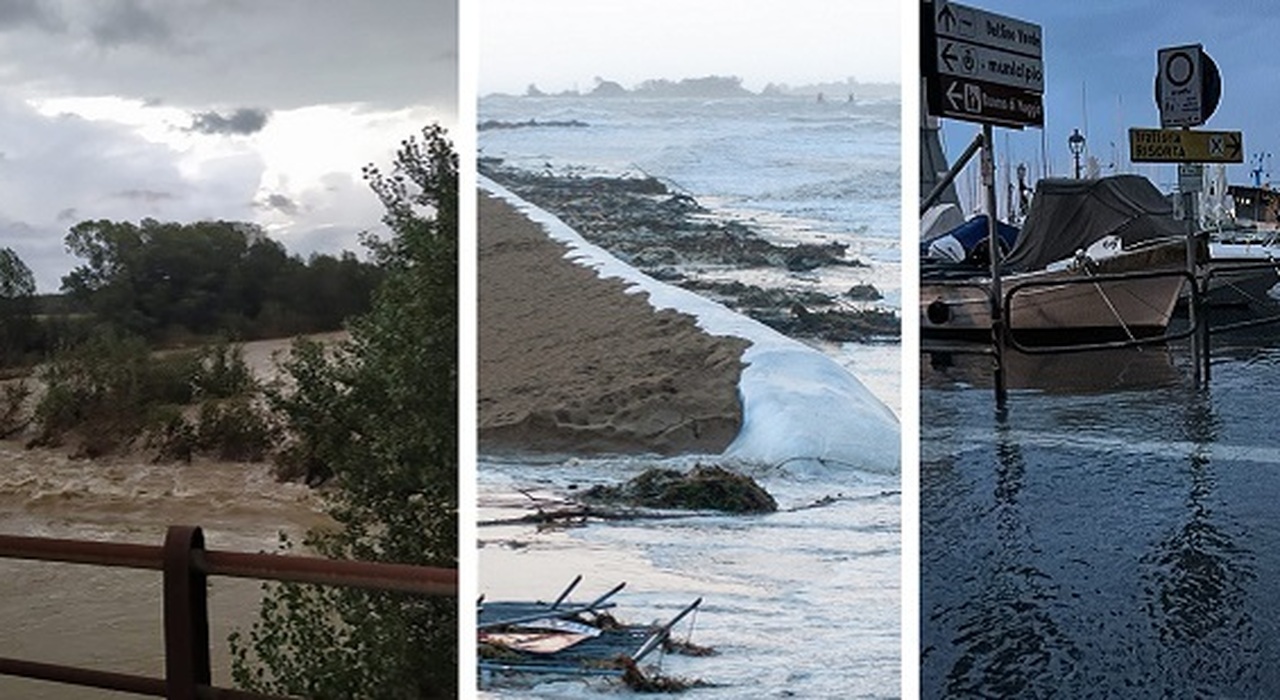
[1201,280]
[993,244]
[186,615]
[950,176]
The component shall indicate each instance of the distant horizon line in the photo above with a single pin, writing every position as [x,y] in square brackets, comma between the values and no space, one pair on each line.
[777,85]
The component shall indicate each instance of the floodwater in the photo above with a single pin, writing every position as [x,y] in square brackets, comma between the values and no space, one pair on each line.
[1114,535]
[111,619]
[801,603]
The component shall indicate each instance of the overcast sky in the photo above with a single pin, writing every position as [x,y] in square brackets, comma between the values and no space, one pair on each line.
[194,109]
[1100,69]
[565,44]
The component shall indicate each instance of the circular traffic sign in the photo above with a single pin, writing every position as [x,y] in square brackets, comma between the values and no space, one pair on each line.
[1179,68]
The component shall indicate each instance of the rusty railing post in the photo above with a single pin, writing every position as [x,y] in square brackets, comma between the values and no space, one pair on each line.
[186,615]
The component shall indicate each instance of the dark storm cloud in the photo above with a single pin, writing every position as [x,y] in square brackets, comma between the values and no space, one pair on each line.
[60,170]
[194,54]
[242,121]
[148,196]
[26,14]
[281,203]
[127,22]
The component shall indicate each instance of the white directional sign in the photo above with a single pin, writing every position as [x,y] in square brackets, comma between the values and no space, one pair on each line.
[990,65]
[1179,89]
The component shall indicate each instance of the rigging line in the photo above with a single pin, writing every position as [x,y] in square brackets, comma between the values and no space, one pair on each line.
[1111,306]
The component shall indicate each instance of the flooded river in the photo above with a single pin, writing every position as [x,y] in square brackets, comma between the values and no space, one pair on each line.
[110,619]
[1113,536]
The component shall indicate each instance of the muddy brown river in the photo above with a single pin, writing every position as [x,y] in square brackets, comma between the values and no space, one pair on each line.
[110,619]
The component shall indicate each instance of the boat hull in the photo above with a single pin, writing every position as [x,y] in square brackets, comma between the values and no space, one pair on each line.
[1240,277]
[1064,307]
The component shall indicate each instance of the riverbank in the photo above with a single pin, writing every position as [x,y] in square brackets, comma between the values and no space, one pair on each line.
[572,363]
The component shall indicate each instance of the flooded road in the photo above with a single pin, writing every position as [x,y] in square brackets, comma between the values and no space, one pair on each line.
[1108,538]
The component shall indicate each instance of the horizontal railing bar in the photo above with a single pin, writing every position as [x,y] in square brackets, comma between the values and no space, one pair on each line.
[361,574]
[339,572]
[119,554]
[109,680]
[106,680]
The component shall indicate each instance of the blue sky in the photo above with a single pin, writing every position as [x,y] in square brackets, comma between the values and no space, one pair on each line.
[1100,67]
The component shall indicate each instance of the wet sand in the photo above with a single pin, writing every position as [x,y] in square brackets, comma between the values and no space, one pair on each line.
[573,364]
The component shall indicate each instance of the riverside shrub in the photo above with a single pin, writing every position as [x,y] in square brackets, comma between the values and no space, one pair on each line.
[112,392]
[379,415]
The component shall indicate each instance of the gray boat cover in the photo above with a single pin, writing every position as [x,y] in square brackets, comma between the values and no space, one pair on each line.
[1069,215]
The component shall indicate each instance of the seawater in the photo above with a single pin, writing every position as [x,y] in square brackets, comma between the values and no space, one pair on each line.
[1113,535]
[796,169]
[801,603]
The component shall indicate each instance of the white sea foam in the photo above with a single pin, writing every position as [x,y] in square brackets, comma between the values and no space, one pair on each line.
[800,407]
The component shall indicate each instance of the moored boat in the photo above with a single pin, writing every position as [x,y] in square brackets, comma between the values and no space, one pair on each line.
[1096,260]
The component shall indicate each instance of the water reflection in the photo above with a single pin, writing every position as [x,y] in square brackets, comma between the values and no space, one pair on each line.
[1070,373]
[1112,543]
[1009,643]
[1199,580]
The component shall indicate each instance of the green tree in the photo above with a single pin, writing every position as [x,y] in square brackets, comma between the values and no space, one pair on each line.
[209,277]
[379,415]
[18,329]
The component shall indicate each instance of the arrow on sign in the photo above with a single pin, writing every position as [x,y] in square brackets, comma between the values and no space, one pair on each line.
[949,57]
[947,18]
[1234,145]
[956,98]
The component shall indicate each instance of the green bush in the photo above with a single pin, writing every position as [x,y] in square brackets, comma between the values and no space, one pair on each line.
[13,408]
[221,372]
[234,430]
[110,391]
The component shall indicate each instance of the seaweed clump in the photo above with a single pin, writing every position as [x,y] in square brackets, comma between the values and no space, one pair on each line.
[702,488]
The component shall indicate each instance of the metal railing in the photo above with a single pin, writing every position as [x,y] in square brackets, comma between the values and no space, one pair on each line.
[186,566]
[1189,283]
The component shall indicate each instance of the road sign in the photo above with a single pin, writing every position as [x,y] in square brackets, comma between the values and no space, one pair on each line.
[983,67]
[975,26]
[1185,146]
[1188,85]
[986,103]
[990,65]
[1190,177]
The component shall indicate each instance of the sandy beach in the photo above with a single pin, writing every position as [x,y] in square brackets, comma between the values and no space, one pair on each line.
[571,363]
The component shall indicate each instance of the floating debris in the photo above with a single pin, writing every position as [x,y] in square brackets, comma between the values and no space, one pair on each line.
[576,639]
[669,236]
[701,488]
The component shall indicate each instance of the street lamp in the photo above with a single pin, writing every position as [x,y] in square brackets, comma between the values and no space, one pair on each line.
[1076,143]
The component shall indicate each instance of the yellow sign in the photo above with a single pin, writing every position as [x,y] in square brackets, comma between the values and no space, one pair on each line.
[1185,146]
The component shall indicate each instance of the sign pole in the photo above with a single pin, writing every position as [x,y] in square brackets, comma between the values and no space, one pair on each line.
[993,245]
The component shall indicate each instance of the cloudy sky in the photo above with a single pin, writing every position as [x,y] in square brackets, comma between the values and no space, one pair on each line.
[189,109]
[563,44]
[1100,69]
